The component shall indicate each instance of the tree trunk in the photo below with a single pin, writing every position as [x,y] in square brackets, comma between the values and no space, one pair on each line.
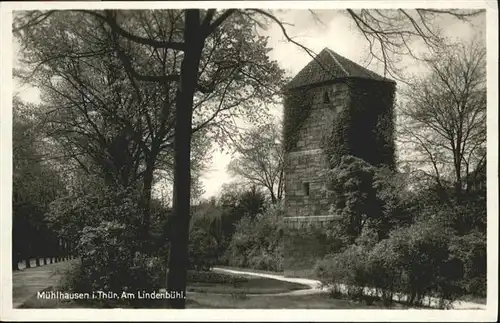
[15,260]
[37,248]
[178,258]
[43,246]
[273,197]
[57,251]
[281,182]
[51,249]
[28,254]
[63,249]
[146,206]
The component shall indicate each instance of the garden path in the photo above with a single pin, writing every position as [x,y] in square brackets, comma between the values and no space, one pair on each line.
[27,282]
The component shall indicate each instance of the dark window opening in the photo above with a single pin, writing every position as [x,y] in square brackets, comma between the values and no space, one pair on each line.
[305,187]
[326,97]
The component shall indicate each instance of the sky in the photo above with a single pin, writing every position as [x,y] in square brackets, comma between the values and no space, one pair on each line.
[337,32]
[327,28]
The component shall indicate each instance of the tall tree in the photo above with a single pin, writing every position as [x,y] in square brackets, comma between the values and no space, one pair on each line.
[92,112]
[443,118]
[260,159]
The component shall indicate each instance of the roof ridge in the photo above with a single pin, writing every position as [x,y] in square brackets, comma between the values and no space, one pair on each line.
[366,69]
[332,54]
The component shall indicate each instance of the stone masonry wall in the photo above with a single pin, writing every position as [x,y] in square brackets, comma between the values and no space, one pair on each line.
[305,162]
[303,167]
[309,213]
[319,122]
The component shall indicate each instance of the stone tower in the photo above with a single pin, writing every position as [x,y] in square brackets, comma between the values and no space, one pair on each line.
[328,85]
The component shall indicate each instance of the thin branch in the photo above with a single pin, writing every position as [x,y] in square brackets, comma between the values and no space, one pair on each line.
[225,15]
[110,19]
[34,21]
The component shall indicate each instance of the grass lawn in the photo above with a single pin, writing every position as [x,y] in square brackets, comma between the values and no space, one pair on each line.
[254,285]
[222,283]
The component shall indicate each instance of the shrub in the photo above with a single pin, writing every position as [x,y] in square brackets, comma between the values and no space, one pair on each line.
[424,251]
[219,217]
[258,243]
[415,261]
[384,270]
[470,250]
[346,270]
[203,250]
[364,195]
[110,264]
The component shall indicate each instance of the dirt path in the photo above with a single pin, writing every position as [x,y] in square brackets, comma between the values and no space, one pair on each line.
[29,281]
[315,288]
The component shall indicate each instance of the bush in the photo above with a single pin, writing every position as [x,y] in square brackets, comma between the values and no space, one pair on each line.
[203,251]
[110,264]
[258,243]
[345,270]
[384,270]
[470,250]
[415,261]
[423,251]
[367,196]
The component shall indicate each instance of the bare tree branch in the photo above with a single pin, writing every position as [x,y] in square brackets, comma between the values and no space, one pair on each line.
[110,18]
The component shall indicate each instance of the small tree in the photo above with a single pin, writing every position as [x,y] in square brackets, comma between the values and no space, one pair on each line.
[260,160]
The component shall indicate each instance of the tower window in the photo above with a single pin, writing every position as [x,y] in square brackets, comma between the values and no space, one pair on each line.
[305,188]
[326,97]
